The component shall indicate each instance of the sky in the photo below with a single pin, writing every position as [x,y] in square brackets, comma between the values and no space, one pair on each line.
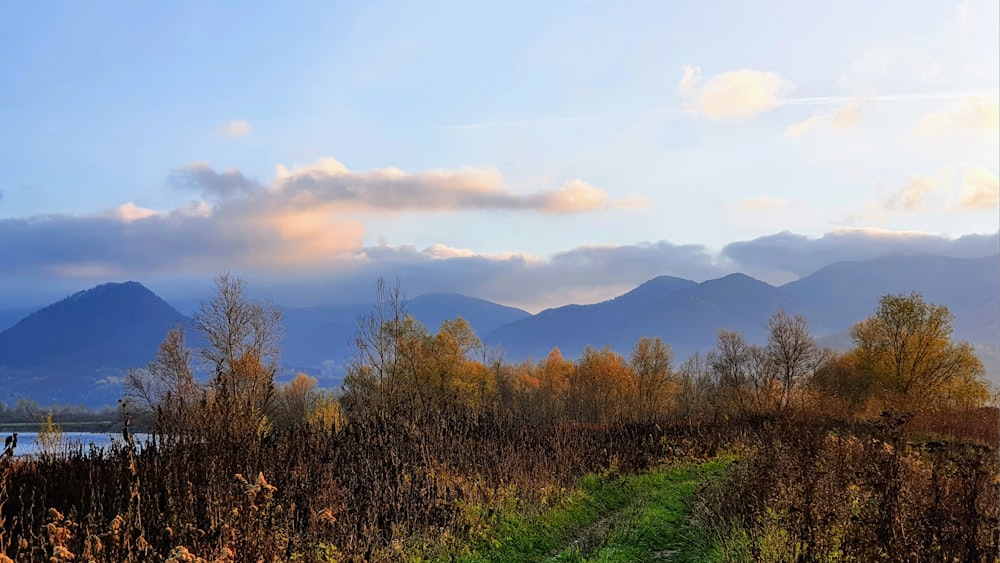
[531,153]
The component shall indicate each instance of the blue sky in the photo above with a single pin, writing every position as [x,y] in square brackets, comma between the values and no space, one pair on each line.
[532,153]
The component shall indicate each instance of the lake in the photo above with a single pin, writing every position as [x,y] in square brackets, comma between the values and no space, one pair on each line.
[27,442]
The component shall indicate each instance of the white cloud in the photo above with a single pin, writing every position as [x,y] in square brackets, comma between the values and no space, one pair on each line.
[980,189]
[969,114]
[737,95]
[848,116]
[912,196]
[129,212]
[800,128]
[237,128]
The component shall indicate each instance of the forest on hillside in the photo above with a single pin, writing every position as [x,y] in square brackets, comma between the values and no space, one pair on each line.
[435,444]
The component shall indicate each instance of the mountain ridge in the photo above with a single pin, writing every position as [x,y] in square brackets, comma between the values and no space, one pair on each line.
[94,335]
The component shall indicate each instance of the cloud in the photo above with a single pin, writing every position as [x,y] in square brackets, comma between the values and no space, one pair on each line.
[131,212]
[184,249]
[582,275]
[236,128]
[301,222]
[329,185]
[213,185]
[969,114]
[799,255]
[800,128]
[848,116]
[763,204]
[980,189]
[737,95]
[911,197]
[957,189]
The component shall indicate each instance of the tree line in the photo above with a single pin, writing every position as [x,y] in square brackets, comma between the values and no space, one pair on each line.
[903,358]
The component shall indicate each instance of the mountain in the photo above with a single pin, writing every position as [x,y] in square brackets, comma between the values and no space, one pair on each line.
[484,316]
[10,317]
[690,319]
[687,315]
[837,296]
[318,339]
[63,350]
[572,327]
[684,313]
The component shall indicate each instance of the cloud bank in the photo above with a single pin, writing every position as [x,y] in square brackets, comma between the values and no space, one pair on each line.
[299,257]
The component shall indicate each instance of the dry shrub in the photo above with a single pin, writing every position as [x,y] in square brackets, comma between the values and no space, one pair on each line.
[814,492]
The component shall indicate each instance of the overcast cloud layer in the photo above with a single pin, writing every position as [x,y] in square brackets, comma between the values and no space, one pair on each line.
[303,262]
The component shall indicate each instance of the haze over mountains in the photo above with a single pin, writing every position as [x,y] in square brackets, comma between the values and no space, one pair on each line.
[77,350]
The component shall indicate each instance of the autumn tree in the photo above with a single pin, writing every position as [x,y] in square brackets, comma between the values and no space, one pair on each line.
[300,401]
[243,337]
[553,377]
[906,347]
[840,379]
[655,390]
[601,387]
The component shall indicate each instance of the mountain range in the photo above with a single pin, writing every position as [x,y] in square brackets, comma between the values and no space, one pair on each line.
[78,349]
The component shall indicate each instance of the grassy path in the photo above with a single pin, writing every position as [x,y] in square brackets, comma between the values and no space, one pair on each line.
[619,518]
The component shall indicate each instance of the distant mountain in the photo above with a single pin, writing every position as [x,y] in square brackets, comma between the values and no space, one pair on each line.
[319,339]
[63,350]
[837,296]
[688,315]
[690,319]
[572,327]
[484,316]
[684,313]
[10,317]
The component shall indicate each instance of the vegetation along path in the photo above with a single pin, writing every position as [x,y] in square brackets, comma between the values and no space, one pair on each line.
[644,517]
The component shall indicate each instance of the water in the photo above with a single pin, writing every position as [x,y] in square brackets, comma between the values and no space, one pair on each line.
[27,442]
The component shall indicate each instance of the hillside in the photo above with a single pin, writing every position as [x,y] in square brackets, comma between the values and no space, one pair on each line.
[63,350]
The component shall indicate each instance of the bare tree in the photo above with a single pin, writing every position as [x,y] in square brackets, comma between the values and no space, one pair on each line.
[243,338]
[792,354]
[168,374]
[373,370]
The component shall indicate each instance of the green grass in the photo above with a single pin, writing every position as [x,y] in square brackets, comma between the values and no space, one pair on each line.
[611,518]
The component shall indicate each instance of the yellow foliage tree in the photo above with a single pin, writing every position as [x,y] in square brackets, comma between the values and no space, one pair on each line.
[906,348]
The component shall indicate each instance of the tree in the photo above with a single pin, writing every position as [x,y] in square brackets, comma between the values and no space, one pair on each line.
[167,387]
[906,347]
[696,386]
[601,387]
[745,381]
[651,361]
[792,354]
[554,373]
[373,370]
[243,337]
